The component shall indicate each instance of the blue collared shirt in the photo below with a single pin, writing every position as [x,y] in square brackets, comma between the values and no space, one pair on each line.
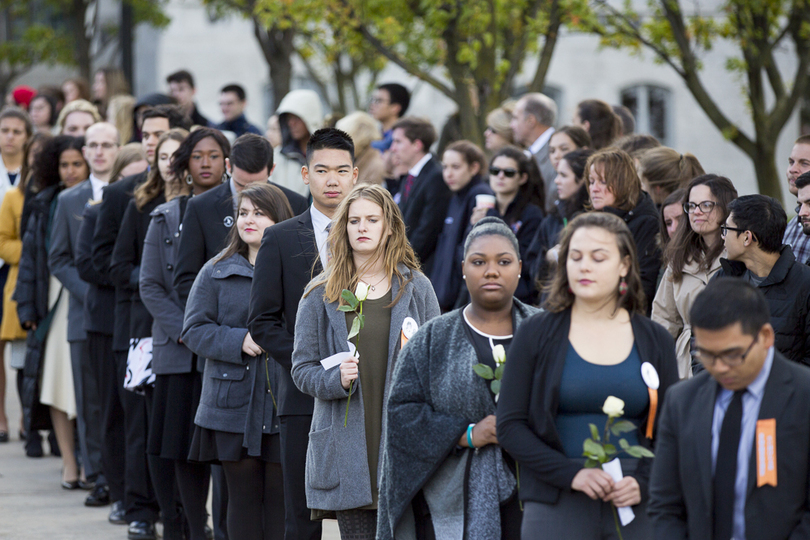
[751,401]
[797,240]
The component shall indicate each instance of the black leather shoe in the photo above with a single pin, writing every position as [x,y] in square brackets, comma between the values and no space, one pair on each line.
[87,486]
[100,496]
[73,484]
[33,446]
[4,436]
[117,513]
[141,530]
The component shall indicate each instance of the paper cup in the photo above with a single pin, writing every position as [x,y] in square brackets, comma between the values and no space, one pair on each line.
[485,201]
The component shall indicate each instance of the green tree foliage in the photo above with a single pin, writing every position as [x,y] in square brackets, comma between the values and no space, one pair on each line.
[469,50]
[679,37]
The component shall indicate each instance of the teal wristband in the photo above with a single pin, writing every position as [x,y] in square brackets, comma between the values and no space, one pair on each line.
[469,436]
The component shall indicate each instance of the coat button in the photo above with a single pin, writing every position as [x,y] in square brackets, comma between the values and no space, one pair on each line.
[177,234]
[224,374]
[248,368]
[169,267]
[264,427]
[168,241]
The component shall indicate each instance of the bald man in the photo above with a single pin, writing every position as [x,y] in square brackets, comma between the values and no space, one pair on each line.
[100,149]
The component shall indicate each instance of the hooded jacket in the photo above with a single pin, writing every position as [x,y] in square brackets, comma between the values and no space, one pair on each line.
[306,105]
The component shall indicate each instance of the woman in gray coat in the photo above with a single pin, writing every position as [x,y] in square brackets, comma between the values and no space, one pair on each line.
[369,254]
[236,419]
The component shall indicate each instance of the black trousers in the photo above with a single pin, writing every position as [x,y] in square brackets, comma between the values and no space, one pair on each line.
[99,349]
[294,432]
[139,498]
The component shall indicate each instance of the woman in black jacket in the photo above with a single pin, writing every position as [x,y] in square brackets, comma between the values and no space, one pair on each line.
[591,343]
[159,187]
[614,187]
[42,306]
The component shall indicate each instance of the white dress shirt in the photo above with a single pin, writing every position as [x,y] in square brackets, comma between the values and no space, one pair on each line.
[541,141]
[98,185]
[320,224]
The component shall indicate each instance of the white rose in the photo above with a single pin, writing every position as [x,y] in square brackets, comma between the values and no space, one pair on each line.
[499,354]
[613,407]
[361,292]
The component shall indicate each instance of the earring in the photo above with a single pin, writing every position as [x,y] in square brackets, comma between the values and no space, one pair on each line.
[464,276]
[189,179]
[622,287]
[518,276]
[224,177]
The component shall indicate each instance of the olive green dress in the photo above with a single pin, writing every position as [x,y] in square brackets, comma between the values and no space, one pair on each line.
[372,344]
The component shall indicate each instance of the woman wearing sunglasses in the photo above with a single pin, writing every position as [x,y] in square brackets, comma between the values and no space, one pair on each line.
[692,257]
[519,200]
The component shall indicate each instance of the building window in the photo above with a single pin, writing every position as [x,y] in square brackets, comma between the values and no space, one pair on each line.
[652,107]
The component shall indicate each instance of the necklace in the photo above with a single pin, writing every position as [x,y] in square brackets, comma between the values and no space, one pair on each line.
[372,287]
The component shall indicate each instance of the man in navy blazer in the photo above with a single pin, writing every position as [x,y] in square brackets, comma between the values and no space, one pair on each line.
[732,458]
[423,196]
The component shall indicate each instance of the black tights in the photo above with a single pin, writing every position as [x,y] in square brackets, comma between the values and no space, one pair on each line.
[357,524]
[255,499]
[192,482]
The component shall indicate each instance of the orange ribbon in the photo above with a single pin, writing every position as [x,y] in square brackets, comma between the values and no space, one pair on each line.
[402,339]
[653,407]
[766,452]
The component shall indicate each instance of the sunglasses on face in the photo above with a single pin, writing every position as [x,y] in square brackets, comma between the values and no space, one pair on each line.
[509,173]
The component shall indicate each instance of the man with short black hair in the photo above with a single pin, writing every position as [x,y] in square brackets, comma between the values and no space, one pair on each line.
[293,252]
[753,237]
[732,454]
[158,120]
[798,164]
[388,104]
[181,88]
[232,103]
[423,196]
[533,120]
[803,198]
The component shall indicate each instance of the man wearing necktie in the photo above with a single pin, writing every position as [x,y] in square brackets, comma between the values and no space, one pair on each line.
[732,458]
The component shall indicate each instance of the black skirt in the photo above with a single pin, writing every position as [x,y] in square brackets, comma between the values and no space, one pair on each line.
[212,446]
[174,406]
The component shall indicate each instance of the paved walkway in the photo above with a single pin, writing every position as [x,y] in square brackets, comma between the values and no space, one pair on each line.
[33,506]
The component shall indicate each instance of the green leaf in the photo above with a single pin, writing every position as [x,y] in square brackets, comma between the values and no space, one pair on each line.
[591,463]
[345,308]
[350,298]
[362,319]
[639,452]
[594,432]
[594,448]
[483,370]
[609,449]
[622,426]
[495,386]
[499,371]
[355,328]
[623,443]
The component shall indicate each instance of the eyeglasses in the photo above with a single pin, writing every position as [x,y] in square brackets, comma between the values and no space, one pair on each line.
[378,101]
[105,146]
[725,228]
[509,173]
[706,207]
[729,358]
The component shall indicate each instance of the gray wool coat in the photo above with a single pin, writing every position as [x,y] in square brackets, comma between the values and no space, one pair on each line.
[234,393]
[435,395]
[337,475]
[157,293]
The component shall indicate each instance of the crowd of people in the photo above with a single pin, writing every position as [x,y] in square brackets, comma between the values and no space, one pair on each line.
[326,320]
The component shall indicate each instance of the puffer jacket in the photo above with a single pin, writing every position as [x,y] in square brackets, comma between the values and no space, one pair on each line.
[787,290]
[672,304]
[288,158]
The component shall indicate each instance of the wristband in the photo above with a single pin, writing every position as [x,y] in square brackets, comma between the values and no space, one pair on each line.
[469,436]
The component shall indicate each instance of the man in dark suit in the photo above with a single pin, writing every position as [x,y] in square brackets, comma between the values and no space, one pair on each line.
[292,252]
[209,217]
[100,148]
[732,457]
[533,125]
[140,506]
[423,196]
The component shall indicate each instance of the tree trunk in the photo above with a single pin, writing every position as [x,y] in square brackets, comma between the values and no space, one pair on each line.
[81,41]
[277,47]
[765,166]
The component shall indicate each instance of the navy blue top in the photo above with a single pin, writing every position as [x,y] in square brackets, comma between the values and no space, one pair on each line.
[583,390]
[239,126]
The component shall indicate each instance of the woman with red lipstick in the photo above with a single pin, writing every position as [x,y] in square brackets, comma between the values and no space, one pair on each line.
[692,257]
[592,342]
[236,423]
[368,245]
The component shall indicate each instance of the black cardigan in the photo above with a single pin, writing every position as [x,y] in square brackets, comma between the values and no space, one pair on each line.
[530,397]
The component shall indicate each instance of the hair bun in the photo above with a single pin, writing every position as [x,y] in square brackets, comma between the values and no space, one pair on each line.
[489,219]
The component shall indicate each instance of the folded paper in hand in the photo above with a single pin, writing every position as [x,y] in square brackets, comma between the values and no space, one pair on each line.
[337,359]
[614,469]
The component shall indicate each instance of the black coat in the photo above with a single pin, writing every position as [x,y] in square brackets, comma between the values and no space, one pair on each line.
[113,206]
[424,210]
[529,401]
[125,267]
[99,303]
[288,259]
[206,224]
[681,483]
[787,290]
[644,224]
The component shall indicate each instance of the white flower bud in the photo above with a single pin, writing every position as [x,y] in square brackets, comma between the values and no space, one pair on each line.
[613,407]
[499,354]
[361,292]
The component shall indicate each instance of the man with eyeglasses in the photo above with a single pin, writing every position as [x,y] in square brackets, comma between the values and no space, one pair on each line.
[100,148]
[732,454]
[753,238]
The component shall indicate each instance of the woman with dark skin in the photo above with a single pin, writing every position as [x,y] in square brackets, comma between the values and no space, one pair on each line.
[442,455]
